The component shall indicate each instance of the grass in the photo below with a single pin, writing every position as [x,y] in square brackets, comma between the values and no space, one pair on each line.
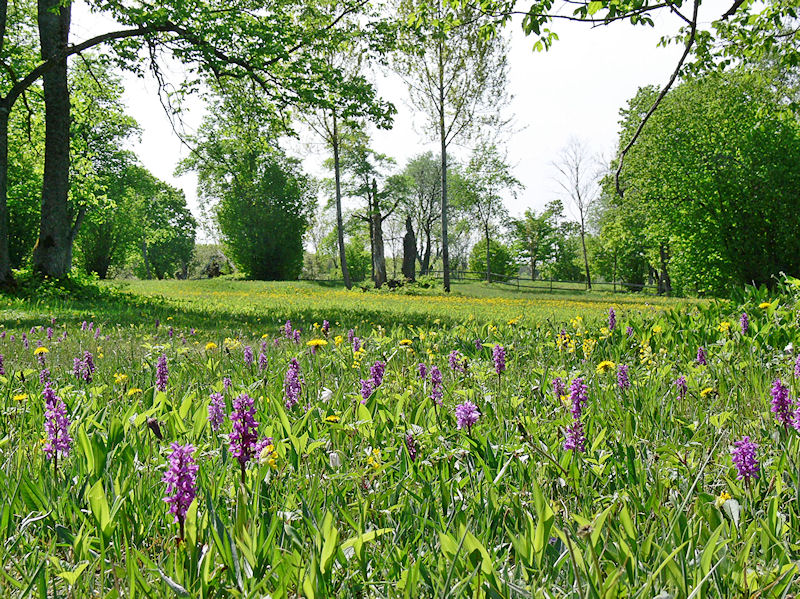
[305,302]
[377,492]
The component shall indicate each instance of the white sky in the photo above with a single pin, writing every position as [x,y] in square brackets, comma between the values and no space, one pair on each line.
[573,90]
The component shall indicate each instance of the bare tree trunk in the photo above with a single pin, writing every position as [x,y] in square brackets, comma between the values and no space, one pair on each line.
[443,140]
[585,257]
[409,252]
[376,231]
[339,226]
[6,277]
[488,254]
[52,255]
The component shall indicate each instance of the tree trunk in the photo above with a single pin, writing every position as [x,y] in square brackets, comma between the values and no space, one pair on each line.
[443,140]
[376,232]
[378,260]
[146,261]
[585,258]
[52,255]
[488,254]
[425,263]
[339,225]
[409,252]
[664,282]
[5,259]
[533,269]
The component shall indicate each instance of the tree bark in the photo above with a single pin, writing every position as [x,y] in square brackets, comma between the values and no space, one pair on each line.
[488,254]
[443,140]
[585,258]
[409,252]
[376,230]
[6,277]
[52,255]
[339,226]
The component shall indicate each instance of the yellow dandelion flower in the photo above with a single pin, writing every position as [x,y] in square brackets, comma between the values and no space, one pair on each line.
[265,335]
[332,418]
[120,379]
[657,328]
[706,392]
[211,345]
[764,305]
[724,327]
[133,391]
[40,350]
[406,342]
[20,397]
[605,366]
[316,343]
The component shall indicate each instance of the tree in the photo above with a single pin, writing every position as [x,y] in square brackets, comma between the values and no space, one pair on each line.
[261,199]
[578,178]
[487,176]
[275,47]
[366,167]
[565,264]
[535,235]
[716,172]
[456,76]
[328,121]
[168,236]
[501,262]
[424,204]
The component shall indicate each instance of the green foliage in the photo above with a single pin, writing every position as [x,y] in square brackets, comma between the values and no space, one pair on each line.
[168,234]
[359,260]
[535,236]
[500,259]
[714,176]
[260,199]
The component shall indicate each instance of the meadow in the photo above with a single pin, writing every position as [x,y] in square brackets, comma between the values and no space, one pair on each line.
[237,439]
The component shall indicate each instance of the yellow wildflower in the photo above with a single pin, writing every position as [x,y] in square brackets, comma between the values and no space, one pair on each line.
[268,456]
[120,379]
[721,499]
[406,342]
[605,366]
[706,392]
[40,350]
[764,305]
[724,327]
[232,343]
[338,340]
[21,397]
[513,321]
[588,347]
[657,328]
[134,391]
[374,459]
[211,345]
[316,343]
[332,418]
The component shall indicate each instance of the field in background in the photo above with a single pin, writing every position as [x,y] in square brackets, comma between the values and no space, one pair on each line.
[307,302]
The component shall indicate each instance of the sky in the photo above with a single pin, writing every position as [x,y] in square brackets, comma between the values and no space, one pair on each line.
[573,90]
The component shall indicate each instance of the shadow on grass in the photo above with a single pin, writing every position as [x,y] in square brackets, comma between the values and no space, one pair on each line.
[125,309]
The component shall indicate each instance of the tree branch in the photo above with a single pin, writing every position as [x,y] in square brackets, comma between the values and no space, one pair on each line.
[689,43]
